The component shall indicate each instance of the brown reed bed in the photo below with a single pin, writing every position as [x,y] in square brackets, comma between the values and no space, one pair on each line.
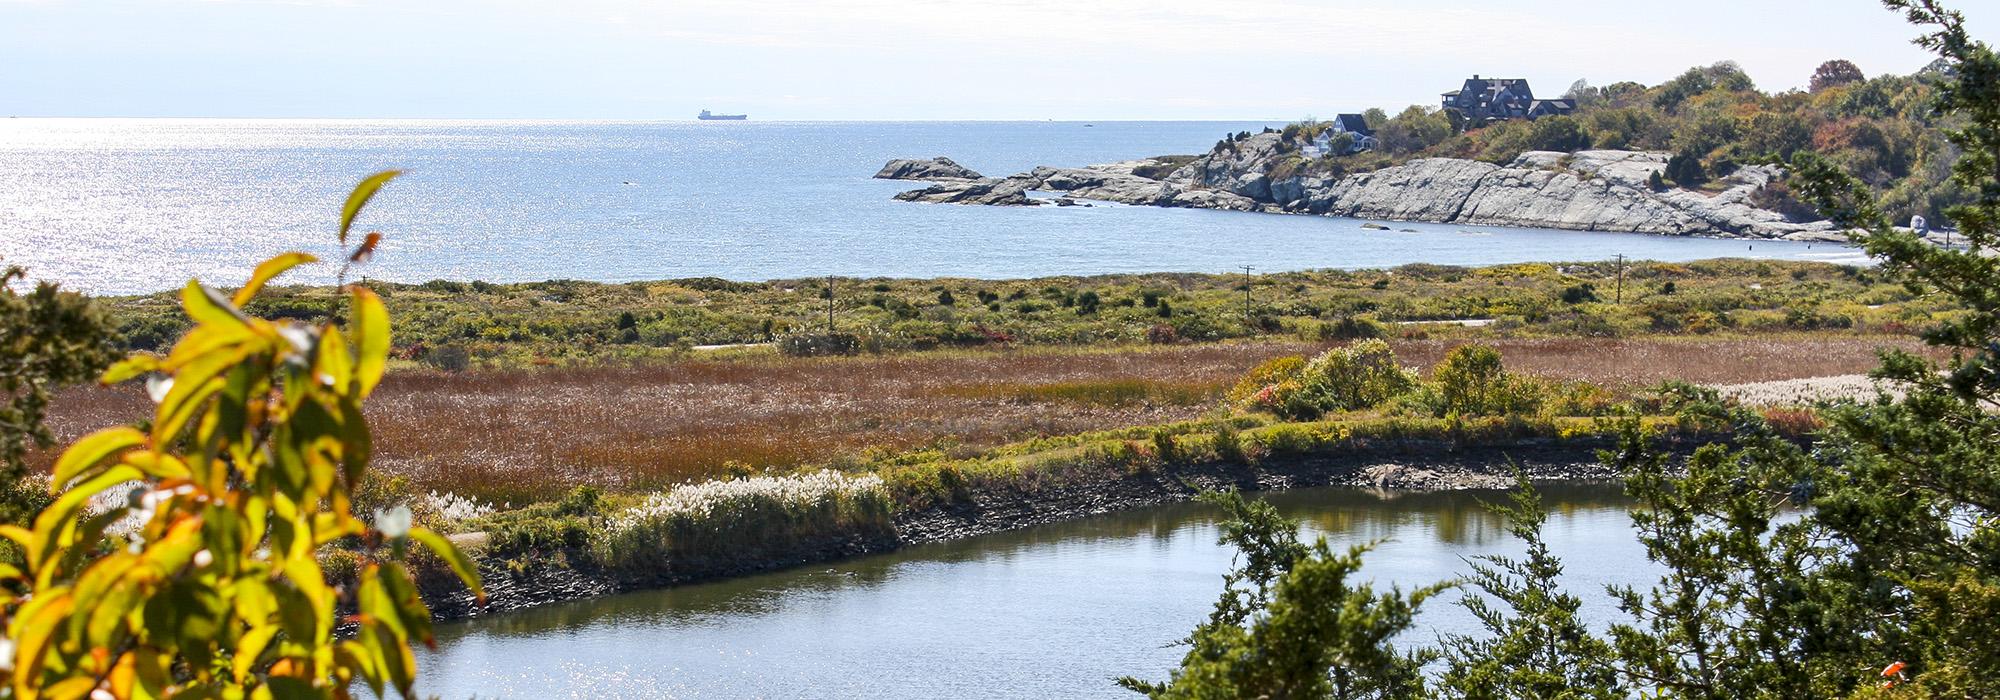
[521,435]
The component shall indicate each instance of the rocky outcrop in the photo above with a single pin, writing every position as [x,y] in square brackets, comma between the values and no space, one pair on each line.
[1598,190]
[1011,192]
[1108,183]
[1588,191]
[939,168]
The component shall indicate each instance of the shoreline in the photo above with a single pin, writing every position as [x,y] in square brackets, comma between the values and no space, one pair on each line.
[1415,465]
[1850,256]
[1611,191]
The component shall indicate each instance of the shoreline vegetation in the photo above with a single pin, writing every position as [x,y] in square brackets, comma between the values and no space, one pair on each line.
[454,326]
[652,463]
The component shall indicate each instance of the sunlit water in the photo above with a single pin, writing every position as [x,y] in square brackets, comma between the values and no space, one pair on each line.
[1056,611]
[118,205]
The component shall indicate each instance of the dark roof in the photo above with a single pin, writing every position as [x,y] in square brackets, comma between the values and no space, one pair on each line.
[1354,123]
[1493,85]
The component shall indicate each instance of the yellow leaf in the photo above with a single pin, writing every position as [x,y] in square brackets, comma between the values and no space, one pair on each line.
[20,536]
[53,524]
[267,270]
[374,601]
[333,366]
[371,340]
[203,340]
[133,366]
[193,385]
[108,611]
[359,198]
[33,624]
[249,647]
[93,450]
[460,564]
[207,306]
[74,688]
[159,465]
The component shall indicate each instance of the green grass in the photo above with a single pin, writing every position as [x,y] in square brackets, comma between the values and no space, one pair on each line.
[453,324]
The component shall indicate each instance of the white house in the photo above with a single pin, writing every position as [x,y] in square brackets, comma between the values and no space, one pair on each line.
[1354,125]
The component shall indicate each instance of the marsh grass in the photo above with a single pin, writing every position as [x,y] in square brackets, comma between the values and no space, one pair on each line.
[524,436]
[1115,393]
[747,519]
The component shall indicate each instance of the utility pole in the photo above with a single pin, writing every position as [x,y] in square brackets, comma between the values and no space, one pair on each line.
[829,304]
[1246,296]
[1621,278]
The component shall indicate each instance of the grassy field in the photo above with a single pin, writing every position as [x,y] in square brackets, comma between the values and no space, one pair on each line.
[453,325]
[522,435]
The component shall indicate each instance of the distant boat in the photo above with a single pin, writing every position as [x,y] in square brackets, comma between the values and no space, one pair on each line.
[706,116]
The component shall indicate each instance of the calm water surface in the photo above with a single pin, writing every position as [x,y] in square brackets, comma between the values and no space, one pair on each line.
[1048,612]
[130,205]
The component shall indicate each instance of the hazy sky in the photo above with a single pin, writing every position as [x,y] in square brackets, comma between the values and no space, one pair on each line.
[889,59]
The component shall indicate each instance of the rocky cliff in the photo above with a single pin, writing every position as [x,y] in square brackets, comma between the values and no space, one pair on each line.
[1587,190]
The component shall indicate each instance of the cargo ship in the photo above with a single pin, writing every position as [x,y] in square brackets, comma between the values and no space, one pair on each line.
[706,116]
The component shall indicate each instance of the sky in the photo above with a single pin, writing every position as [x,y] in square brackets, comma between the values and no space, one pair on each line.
[890,59]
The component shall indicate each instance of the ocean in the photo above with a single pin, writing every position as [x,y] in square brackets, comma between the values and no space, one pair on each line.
[117,206]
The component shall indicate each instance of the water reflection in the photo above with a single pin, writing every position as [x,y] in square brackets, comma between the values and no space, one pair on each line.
[1052,611]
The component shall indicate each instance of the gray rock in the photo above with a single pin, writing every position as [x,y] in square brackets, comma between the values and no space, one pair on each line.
[1213,199]
[1597,190]
[939,168]
[1011,192]
[1112,184]
[1588,191]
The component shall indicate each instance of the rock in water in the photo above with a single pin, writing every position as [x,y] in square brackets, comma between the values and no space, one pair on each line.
[1010,192]
[939,168]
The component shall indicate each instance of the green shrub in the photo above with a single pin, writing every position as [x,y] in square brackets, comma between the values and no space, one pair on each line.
[1358,376]
[1164,447]
[819,344]
[450,358]
[1228,443]
[48,338]
[1684,169]
[531,536]
[581,501]
[1580,293]
[1470,381]
[1267,374]
[1353,328]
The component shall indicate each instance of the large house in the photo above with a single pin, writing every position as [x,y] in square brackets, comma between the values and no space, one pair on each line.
[1484,100]
[1354,125]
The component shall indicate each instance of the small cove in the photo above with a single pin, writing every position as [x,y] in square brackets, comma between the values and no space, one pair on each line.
[1049,611]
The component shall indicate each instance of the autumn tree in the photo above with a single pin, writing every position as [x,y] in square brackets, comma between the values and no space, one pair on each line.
[1836,72]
